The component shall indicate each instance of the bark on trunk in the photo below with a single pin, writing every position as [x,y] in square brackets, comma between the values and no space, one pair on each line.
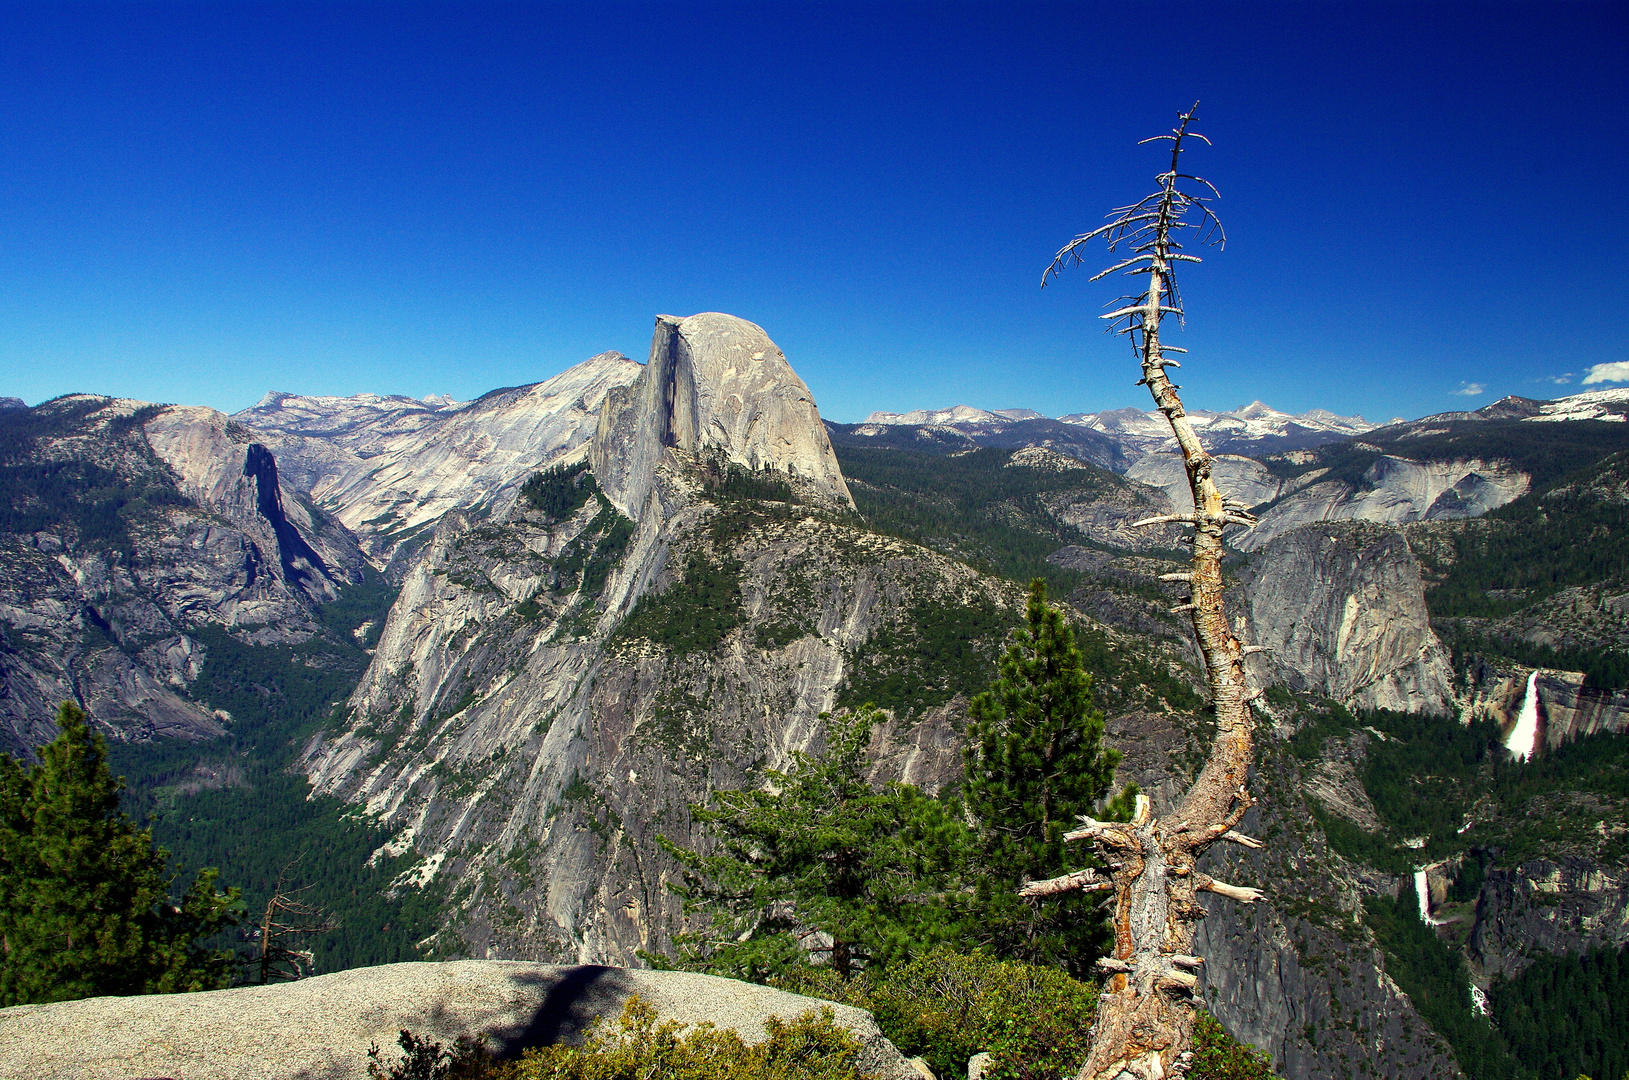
[1144,1026]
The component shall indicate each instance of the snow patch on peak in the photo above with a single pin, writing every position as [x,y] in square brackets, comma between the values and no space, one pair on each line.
[1610,405]
[956,414]
[1253,428]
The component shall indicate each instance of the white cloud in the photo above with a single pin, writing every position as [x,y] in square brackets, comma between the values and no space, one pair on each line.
[1472,389]
[1617,371]
[1559,380]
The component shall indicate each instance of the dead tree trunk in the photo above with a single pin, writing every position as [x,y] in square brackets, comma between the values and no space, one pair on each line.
[287,923]
[1144,1026]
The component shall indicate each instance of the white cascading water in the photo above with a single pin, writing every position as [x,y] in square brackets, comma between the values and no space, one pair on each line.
[1525,734]
[1422,890]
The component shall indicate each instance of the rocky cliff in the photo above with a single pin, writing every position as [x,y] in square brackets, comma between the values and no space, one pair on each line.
[549,694]
[1548,906]
[1242,478]
[1394,490]
[1341,611]
[716,388]
[141,524]
[389,468]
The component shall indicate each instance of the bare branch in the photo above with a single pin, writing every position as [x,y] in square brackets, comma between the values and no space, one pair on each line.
[1161,519]
[1081,880]
[1232,892]
[1105,273]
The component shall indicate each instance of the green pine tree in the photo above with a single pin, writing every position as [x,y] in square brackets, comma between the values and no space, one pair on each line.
[820,852]
[85,905]
[1034,761]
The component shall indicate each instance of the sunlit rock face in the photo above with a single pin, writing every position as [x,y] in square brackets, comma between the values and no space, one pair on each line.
[1394,491]
[716,387]
[390,468]
[1341,609]
[1241,478]
[206,535]
[529,749]
[218,467]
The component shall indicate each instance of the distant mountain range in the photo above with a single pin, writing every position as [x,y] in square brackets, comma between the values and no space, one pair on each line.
[1254,430]
[1255,427]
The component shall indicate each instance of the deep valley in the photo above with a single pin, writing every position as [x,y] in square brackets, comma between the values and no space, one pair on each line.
[457,666]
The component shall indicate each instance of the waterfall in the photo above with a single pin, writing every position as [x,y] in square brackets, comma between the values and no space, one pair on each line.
[1520,743]
[1422,889]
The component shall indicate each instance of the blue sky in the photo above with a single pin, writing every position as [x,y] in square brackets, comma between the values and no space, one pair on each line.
[200,203]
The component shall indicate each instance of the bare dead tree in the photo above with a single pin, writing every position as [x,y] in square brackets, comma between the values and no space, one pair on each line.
[288,922]
[1144,1025]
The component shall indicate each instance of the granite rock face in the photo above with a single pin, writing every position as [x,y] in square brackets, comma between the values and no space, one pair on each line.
[101,597]
[321,1028]
[1341,609]
[716,388]
[1393,491]
[390,468]
[1566,708]
[1241,478]
[1567,904]
[530,747]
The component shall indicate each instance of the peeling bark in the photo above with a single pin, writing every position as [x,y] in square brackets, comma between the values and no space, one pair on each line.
[1144,1026]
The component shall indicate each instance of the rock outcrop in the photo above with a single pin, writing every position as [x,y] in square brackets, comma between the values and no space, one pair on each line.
[1341,610]
[1395,491]
[529,727]
[1566,708]
[152,521]
[1241,478]
[716,388]
[322,1028]
[1548,906]
[390,468]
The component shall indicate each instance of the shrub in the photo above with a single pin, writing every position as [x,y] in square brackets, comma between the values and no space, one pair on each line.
[946,1007]
[426,1060]
[1034,1021]
[812,1047]
[1218,1056]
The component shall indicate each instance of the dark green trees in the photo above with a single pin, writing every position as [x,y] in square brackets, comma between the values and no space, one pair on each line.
[1035,762]
[85,904]
[822,867]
